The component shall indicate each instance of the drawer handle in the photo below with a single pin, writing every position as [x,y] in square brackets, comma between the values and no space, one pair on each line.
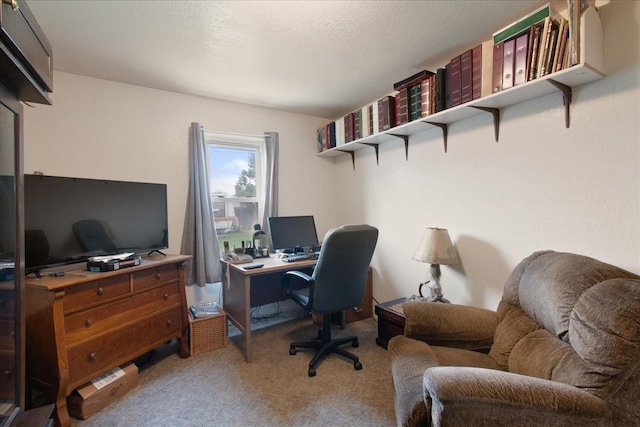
[166,296]
[8,373]
[100,291]
[88,323]
[91,357]
[169,322]
[158,276]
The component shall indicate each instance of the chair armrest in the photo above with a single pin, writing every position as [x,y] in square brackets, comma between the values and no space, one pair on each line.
[450,325]
[296,276]
[457,395]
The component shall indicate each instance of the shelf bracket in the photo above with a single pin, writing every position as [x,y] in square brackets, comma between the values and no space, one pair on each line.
[405,138]
[566,100]
[496,118]
[375,147]
[445,131]
[353,157]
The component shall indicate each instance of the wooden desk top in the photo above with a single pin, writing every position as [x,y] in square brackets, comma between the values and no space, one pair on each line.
[271,264]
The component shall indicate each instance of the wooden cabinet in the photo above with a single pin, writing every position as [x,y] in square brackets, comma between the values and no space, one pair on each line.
[83,324]
[26,57]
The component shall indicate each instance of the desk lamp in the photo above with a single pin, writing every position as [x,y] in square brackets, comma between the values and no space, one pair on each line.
[259,235]
[435,248]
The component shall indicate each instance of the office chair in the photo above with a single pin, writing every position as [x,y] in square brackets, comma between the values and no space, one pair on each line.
[337,284]
[92,236]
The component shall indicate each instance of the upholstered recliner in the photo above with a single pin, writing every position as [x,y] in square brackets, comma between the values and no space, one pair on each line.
[563,348]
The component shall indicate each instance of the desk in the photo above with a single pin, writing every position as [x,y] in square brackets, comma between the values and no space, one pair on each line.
[243,289]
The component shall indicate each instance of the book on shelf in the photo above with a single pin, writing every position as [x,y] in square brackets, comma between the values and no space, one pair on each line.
[402,106]
[374,118]
[440,90]
[476,72]
[498,60]
[486,68]
[321,138]
[456,83]
[357,117]
[426,96]
[340,139]
[386,113]
[447,85]
[466,78]
[365,121]
[415,101]
[563,34]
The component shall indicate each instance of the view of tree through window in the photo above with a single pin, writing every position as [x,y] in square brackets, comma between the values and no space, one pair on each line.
[235,182]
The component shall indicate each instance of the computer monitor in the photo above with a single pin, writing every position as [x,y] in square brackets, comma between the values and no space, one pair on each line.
[292,233]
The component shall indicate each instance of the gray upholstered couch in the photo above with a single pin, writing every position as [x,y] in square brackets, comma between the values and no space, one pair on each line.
[563,348]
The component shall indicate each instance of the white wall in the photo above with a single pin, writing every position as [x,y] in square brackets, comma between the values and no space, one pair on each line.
[541,187]
[102,129]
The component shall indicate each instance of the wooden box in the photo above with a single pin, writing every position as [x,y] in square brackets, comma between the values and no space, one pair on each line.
[207,333]
[91,397]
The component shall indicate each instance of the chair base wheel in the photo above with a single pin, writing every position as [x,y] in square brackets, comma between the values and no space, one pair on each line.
[312,372]
[292,351]
[355,344]
[357,365]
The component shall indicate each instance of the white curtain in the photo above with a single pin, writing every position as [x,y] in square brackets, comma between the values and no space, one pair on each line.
[199,237]
[271,182]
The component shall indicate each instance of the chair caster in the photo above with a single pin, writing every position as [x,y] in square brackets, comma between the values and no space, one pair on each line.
[292,351]
[355,343]
[357,365]
[312,372]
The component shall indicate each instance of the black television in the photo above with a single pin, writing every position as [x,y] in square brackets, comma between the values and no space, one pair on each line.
[292,233]
[68,220]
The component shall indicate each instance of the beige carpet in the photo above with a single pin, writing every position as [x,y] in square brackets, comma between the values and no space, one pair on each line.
[218,388]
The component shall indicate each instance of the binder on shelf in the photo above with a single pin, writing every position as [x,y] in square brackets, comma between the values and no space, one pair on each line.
[520,65]
[508,63]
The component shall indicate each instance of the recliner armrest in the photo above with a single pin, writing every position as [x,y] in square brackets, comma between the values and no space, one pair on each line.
[459,394]
[450,325]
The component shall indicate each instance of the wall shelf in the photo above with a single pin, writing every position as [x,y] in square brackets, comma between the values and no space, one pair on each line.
[589,70]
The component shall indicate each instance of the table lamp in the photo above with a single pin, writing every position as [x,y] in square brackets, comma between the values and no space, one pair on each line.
[436,248]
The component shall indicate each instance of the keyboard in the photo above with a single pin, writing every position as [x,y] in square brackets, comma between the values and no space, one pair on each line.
[296,257]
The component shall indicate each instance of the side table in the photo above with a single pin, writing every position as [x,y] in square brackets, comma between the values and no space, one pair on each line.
[390,320]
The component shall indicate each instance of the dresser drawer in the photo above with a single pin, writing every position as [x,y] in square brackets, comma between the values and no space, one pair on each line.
[90,358]
[154,277]
[92,293]
[86,323]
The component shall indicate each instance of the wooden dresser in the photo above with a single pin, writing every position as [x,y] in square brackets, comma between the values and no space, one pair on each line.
[83,324]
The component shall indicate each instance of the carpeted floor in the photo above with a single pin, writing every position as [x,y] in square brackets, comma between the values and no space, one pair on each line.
[218,388]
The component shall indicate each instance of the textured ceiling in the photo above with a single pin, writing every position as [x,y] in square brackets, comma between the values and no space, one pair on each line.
[322,58]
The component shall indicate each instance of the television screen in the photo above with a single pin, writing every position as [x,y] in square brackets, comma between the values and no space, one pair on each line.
[68,220]
[291,233]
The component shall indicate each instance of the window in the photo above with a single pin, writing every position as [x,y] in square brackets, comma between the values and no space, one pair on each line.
[236,180]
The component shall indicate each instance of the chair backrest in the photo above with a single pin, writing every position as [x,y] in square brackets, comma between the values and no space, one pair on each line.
[575,320]
[341,271]
[92,236]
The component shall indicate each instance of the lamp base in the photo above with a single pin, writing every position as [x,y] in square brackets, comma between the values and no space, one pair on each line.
[432,293]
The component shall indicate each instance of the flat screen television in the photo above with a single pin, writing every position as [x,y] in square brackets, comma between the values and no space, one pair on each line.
[68,220]
[292,233]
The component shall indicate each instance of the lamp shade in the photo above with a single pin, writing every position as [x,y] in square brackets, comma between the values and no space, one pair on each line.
[435,247]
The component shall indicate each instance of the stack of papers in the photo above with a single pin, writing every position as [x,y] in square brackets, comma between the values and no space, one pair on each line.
[204,309]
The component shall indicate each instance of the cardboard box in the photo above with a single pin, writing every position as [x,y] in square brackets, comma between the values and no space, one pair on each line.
[89,398]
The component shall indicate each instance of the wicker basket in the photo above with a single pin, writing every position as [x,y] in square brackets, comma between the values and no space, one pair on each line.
[207,333]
